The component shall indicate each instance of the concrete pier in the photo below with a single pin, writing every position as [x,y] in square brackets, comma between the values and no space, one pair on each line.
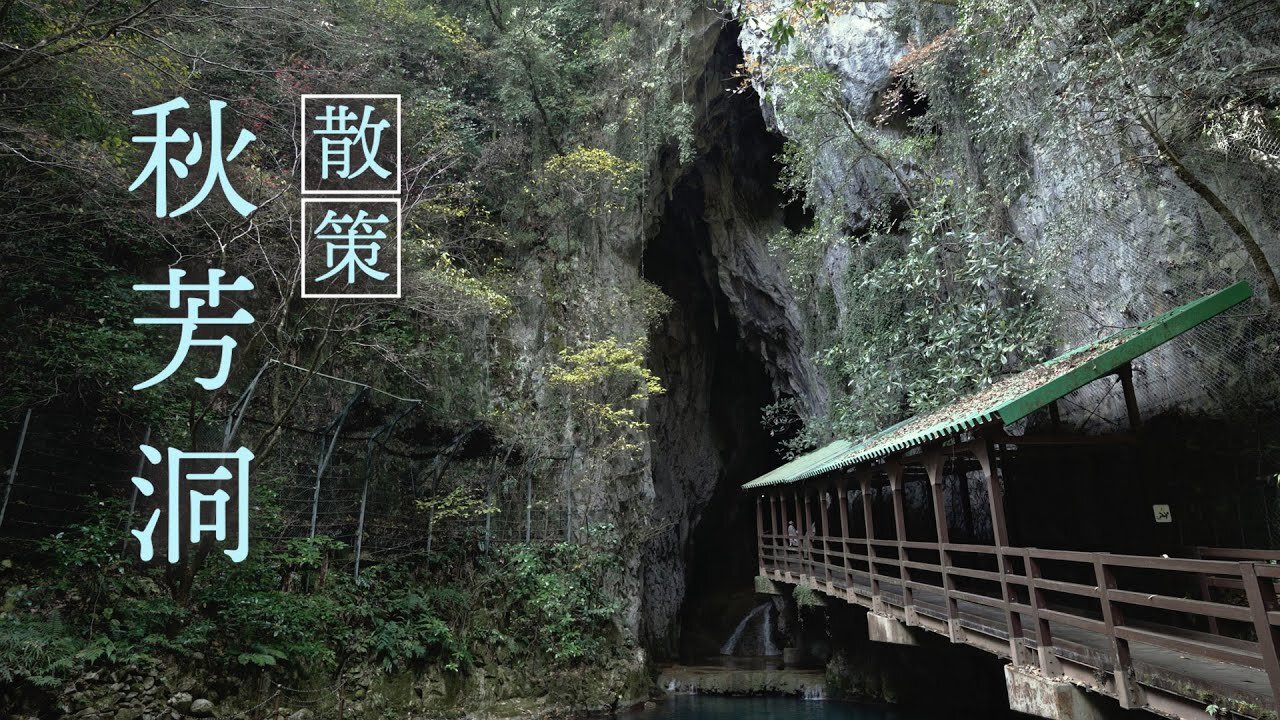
[1034,694]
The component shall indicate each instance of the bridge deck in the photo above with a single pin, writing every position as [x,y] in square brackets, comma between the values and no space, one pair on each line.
[1174,671]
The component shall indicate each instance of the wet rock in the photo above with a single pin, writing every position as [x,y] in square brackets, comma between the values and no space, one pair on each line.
[128,714]
[201,708]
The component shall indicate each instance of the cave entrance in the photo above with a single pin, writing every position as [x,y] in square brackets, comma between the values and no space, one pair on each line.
[729,347]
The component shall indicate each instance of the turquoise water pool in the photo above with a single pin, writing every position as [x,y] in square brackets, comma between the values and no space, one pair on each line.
[702,707]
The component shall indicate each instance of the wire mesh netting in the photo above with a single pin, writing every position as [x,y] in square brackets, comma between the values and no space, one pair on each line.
[1139,243]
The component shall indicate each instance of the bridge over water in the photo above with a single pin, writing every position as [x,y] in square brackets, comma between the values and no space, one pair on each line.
[1169,634]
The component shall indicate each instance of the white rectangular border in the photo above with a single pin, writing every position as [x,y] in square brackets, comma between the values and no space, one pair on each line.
[302,146]
[399,258]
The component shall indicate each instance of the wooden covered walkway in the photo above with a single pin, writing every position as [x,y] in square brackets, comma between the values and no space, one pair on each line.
[1169,634]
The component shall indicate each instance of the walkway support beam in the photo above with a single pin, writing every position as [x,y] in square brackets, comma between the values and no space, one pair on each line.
[1261,593]
[894,472]
[824,507]
[1130,397]
[760,532]
[864,481]
[786,533]
[808,538]
[934,462]
[842,496]
[1127,692]
[983,451]
[778,530]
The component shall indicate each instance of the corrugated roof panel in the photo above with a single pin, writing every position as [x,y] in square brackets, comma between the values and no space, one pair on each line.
[1016,396]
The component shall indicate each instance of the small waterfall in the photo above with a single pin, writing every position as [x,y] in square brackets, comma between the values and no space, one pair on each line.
[766,632]
[815,692]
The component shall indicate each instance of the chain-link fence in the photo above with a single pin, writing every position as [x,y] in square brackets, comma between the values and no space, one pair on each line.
[334,459]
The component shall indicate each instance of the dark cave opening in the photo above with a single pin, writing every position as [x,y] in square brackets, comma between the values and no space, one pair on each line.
[718,363]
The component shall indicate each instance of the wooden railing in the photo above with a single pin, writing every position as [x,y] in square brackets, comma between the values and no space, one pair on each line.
[1117,599]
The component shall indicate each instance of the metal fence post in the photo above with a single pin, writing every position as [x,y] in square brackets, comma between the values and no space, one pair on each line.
[364,500]
[528,504]
[370,447]
[13,469]
[327,454]
[488,521]
[568,495]
[236,414]
[133,501]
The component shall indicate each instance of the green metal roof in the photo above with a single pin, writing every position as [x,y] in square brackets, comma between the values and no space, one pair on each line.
[1015,397]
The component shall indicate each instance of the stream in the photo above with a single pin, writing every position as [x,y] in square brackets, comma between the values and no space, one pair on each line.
[704,707]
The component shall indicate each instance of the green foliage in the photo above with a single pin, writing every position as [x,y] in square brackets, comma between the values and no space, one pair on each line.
[36,651]
[461,503]
[497,96]
[604,384]
[944,313]
[589,181]
[556,598]
[807,597]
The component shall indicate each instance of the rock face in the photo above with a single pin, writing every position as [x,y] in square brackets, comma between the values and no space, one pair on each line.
[731,344]
[1156,246]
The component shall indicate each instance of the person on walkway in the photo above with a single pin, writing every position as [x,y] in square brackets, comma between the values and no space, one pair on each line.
[793,534]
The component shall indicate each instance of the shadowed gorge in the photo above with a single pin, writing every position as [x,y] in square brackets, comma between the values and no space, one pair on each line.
[726,350]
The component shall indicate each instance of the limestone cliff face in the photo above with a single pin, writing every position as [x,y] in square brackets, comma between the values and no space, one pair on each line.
[1153,247]
[732,343]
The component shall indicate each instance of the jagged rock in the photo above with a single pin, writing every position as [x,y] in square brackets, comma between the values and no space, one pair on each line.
[149,682]
[201,708]
[303,714]
[128,714]
[181,702]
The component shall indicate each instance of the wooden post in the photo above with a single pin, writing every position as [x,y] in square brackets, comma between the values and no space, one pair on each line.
[1049,664]
[1130,398]
[894,472]
[786,534]
[823,508]
[1127,692]
[1262,600]
[799,537]
[934,462]
[774,553]
[760,531]
[807,537]
[842,496]
[864,480]
[1000,535]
